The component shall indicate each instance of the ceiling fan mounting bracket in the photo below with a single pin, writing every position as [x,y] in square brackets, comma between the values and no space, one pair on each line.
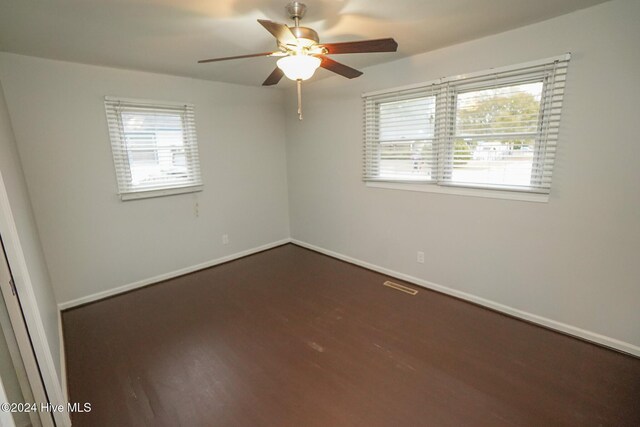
[296,10]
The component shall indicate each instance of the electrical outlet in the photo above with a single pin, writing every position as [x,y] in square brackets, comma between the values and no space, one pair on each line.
[420,257]
[196,209]
[225,239]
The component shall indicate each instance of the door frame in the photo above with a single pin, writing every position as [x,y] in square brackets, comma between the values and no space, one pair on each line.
[32,318]
[19,345]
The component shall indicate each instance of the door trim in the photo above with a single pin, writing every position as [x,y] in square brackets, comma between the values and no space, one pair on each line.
[17,336]
[33,320]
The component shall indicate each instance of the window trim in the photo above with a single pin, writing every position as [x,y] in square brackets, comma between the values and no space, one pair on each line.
[116,146]
[160,193]
[451,87]
[490,193]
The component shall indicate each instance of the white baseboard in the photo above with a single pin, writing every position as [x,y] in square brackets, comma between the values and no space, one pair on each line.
[543,321]
[170,275]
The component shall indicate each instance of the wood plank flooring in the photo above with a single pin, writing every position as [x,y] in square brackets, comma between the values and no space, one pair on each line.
[290,337]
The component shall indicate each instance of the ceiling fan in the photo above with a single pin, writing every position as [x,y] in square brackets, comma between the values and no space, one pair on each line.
[301,52]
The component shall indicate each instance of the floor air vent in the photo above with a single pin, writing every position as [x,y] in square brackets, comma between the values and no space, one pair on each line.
[401,288]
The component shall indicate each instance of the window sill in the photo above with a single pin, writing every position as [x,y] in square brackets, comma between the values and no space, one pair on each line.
[462,191]
[159,193]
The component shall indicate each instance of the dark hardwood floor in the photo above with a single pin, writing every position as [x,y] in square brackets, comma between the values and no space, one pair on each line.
[289,337]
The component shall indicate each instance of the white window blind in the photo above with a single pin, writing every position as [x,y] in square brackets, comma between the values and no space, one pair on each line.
[496,129]
[154,147]
[400,136]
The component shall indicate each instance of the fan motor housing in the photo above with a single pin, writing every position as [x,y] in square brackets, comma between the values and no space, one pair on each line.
[306,35]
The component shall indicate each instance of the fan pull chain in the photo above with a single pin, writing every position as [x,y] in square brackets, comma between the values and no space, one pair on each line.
[299,84]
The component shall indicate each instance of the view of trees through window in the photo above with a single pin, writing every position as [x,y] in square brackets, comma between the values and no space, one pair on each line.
[495,134]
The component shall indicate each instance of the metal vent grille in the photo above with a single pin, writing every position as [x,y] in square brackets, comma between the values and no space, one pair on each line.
[400,288]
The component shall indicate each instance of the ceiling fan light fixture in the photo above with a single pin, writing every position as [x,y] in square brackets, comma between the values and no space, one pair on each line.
[301,52]
[299,67]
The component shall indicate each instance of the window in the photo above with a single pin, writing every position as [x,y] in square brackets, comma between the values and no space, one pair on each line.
[406,135]
[491,130]
[154,147]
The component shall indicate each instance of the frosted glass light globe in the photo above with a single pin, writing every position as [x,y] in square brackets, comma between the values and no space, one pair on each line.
[298,67]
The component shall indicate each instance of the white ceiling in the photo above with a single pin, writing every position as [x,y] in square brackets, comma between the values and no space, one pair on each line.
[169,36]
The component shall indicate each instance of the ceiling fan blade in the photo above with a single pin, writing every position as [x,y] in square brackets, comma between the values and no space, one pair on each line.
[202,61]
[274,77]
[280,32]
[364,46]
[339,68]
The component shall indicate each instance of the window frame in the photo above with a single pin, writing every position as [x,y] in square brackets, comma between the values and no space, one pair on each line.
[114,109]
[446,91]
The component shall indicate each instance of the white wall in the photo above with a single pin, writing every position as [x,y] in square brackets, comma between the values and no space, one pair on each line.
[93,241]
[572,260]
